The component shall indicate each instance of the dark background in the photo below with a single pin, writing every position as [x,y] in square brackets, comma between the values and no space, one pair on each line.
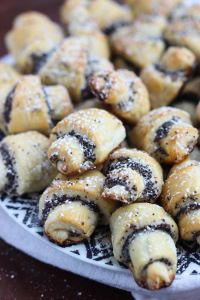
[22,277]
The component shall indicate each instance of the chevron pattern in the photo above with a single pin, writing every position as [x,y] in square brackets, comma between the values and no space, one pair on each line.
[98,248]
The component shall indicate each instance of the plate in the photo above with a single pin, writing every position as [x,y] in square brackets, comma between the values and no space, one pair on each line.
[92,258]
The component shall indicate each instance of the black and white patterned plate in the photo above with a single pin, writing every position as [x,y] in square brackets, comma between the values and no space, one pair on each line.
[97,250]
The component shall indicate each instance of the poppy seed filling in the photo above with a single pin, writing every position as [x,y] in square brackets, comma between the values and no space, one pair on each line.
[133,234]
[11,175]
[150,191]
[59,200]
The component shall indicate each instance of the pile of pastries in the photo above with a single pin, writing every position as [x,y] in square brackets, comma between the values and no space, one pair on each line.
[101,115]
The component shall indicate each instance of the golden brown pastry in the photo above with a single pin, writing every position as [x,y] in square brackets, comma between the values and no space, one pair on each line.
[164,80]
[141,43]
[78,22]
[76,17]
[71,65]
[143,238]
[184,30]
[71,208]
[8,78]
[24,166]
[26,104]
[8,75]
[32,39]
[109,15]
[158,7]
[124,92]
[150,25]
[83,16]
[84,140]
[165,133]
[181,198]
[132,175]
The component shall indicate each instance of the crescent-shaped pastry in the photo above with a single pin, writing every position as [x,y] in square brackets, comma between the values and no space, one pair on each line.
[71,208]
[77,21]
[71,65]
[165,133]
[84,140]
[82,16]
[138,45]
[165,80]
[124,92]
[24,166]
[33,37]
[132,175]
[143,238]
[26,104]
[184,29]
[181,198]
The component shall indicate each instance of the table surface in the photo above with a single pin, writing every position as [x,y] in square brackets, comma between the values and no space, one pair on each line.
[22,277]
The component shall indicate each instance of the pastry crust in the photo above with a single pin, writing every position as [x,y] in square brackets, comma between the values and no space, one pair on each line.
[78,22]
[109,15]
[164,80]
[29,43]
[132,175]
[71,208]
[71,65]
[184,32]
[26,104]
[137,45]
[84,140]
[124,93]
[160,7]
[23,163]
[85,16]
[143,237]
[8,75]
[165,133]
[181,198]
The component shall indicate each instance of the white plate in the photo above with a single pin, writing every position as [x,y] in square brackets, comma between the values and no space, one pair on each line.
[20,227]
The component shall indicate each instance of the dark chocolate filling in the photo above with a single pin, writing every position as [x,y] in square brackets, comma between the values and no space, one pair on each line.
[39,61]
[11,185]
[163,130]
[115,26]
[187,208]
[149,228]
[59,200]
[87,146]
[8,105]
[150,191]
